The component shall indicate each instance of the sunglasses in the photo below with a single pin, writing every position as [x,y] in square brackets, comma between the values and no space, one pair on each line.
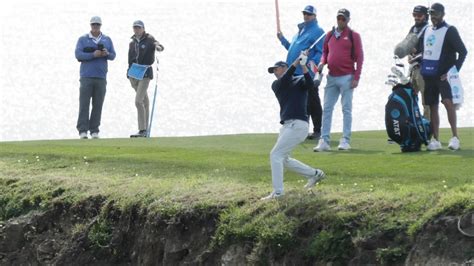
[341,18]
[95,24]
[418,15]
[307,14]
[435,13]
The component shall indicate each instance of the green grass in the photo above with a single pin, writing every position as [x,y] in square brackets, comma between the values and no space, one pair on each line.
[374,186]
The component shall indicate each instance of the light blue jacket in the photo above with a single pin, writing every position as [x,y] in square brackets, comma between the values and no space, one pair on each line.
[308,33]
[93,67]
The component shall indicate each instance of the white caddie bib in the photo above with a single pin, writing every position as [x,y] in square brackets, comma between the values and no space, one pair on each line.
[432,46]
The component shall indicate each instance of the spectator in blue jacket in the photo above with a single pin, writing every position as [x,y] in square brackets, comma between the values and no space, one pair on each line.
[93,49]
[308,32]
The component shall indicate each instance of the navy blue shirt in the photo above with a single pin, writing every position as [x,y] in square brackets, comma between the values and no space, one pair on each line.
[453,52]
[292,94]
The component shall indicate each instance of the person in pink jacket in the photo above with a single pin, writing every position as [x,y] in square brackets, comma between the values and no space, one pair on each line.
[343,55]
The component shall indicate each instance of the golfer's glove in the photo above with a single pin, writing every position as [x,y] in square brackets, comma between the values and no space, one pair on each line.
[303,59]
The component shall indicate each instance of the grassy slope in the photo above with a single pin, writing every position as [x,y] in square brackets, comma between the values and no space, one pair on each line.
[374,184]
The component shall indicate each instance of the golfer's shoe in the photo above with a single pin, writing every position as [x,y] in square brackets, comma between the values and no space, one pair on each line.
[434,145]
[140,134]
[318,176]
[454,144]
[95,135]
[273,195]
[83,135]
[322,146]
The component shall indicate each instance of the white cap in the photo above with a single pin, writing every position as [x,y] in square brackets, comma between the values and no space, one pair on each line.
[96,19]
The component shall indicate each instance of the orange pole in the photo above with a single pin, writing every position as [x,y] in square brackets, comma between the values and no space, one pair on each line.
[277,16]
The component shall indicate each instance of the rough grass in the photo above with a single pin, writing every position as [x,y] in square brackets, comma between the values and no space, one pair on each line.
[372,188]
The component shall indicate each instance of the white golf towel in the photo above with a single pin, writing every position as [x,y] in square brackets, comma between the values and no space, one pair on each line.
[456,87]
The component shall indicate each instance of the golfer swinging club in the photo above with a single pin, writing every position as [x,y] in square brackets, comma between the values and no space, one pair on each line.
[292,94]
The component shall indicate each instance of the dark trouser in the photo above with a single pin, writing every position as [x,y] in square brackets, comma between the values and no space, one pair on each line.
[434,86]
[314,108]
[91,88]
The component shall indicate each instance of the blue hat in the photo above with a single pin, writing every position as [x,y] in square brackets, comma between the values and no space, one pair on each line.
[309,9]
[138,23]
[277,64]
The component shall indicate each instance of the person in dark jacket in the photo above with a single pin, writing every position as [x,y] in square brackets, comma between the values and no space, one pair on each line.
[442,48]
[142,52]
[92,50]
[292,94]
[420,15]
[309,32]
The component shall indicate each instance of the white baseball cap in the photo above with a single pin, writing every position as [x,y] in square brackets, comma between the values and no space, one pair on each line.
[96,19]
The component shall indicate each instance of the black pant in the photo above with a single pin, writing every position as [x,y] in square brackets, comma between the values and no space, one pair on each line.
[314,108]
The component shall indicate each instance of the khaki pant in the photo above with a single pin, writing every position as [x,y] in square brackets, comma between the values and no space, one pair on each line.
[419,86]
[141,101]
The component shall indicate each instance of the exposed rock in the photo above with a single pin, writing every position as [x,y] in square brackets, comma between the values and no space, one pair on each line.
[235,255]
[64,235]
[441,243]
[12,237]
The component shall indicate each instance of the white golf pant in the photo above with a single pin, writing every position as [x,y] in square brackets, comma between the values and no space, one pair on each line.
[292,133]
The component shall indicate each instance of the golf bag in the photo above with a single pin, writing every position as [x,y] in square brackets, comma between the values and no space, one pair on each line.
[404,123]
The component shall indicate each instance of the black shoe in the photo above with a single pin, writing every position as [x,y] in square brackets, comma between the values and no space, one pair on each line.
[315,135]
[140,134]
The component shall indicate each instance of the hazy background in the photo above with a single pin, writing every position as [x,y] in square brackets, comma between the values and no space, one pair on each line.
[213,73]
